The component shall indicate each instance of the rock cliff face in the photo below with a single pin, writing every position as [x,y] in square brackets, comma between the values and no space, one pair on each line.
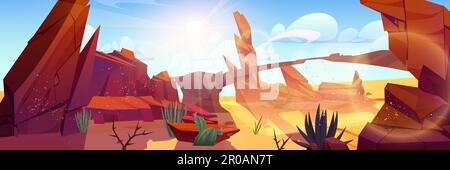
[414,118]
[52,80]
[38,88]
[163,87]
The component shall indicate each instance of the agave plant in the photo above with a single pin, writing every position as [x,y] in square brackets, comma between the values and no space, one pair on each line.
[173,113]
[317,134]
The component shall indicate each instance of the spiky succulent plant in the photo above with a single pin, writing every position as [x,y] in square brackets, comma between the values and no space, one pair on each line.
[173,113]
[320,131]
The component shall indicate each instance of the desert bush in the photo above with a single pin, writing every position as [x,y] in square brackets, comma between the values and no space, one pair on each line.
[173,113]
[205,137]
[83,118]
[318,133]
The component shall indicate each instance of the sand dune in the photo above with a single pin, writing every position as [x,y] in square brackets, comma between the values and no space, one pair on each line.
[1,95]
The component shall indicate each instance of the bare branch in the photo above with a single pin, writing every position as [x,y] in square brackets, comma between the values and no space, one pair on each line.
[277,142]
[130,137]
[115,135]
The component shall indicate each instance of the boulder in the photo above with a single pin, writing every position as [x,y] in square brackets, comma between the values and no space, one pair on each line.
[187,132]
[335,144]
[191,119]
[412,102]
[375,137]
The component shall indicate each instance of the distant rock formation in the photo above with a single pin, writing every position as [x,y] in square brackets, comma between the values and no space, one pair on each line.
[335,91]
[414,118]
[248,88]
[297,85]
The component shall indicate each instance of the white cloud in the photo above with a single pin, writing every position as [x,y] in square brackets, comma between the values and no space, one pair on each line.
[127,42]
[382,43]
[325,24]
[88,32]
[301,36]
[348,35]
[278,29]
[372,31]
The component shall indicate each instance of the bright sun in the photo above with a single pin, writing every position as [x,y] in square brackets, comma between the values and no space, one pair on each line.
[196,27]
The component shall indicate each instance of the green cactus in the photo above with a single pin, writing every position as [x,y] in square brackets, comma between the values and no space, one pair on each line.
[83,118]
[205,137]
[200,122]
[173,113]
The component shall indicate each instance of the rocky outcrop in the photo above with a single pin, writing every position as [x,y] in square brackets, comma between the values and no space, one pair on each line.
[414,118]
[376,137]
[297,85]
[247,88]
[39,85]
[335,91]
[195,92]
[52,80]
[134,108]
[163,87]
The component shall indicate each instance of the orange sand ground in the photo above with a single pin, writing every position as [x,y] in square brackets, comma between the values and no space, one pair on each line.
[282,121]
[1,95]
[244,120]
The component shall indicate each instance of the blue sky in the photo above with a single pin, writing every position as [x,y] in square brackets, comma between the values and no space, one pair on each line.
[183,36]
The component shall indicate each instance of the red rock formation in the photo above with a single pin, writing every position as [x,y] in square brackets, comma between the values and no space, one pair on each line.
[297,85]
[162,87]
[114,75]
[39,85]
[51,80]
[197,110]
[248,88]
[205,97]
[191,119]
[187,132]
[335,91]
[414,118]
[375,137]
[133,108]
